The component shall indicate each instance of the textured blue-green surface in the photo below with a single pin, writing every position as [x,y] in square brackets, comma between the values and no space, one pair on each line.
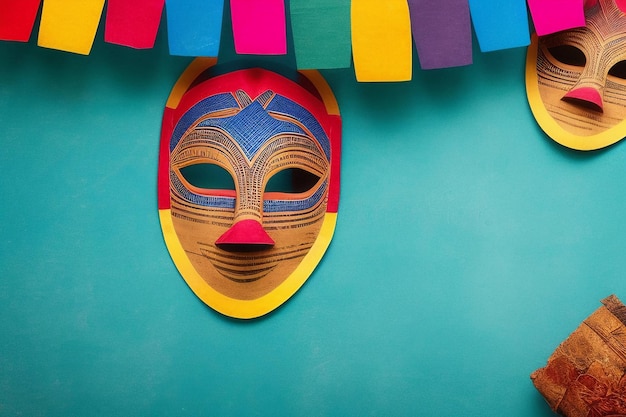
[468,246]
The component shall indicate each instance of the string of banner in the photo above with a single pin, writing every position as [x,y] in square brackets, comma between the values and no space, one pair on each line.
[376,35]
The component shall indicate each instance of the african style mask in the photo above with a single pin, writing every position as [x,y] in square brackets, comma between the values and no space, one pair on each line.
[576,79]
[248,183]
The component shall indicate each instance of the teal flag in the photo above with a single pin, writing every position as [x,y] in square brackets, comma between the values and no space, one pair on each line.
[321,33]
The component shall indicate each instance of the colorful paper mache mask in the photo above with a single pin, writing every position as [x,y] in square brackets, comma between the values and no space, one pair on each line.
[248,183]
[576,79]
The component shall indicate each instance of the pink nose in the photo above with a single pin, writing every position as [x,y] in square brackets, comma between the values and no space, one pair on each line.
[585,96]
[245,236]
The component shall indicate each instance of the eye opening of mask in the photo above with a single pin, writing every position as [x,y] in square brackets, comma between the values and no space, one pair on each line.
[568,54]
[291,181]
[206,176]
[619,70]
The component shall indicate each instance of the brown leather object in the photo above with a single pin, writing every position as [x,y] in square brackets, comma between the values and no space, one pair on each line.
[585,375]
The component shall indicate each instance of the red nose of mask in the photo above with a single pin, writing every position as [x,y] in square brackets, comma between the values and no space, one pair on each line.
[245,236]
[585,96]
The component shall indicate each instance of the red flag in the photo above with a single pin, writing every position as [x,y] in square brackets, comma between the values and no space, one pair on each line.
[133,23]
[17,18]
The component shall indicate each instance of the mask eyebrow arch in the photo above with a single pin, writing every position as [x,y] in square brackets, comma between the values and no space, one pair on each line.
[284,106]
[211,104]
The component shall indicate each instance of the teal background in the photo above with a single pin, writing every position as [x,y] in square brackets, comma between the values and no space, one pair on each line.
[468,246]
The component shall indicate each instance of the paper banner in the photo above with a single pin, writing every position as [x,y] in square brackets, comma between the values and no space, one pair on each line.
[381,40]
[133,23]
[556,15]
[321,33]
[17,18]
[442,31]
[194,27]
[500,24]
[69,25]
[259,26]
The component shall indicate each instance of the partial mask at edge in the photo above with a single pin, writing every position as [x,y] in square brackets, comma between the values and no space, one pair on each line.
[576,80]
[585,376]
[248,183]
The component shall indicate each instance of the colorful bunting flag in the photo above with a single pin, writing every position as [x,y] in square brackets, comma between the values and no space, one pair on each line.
[500,24]
[133,23]
[326,33]
[321,33]
[17,18]
[69,25]
[442,31]
[259,26]
[381,40]
[556,15]
[194,27]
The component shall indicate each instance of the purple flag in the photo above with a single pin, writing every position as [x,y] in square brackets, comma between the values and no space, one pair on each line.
[442,32]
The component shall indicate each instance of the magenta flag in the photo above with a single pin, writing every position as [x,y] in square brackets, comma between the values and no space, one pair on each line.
[259,26]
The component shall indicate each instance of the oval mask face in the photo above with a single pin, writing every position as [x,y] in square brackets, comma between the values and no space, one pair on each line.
[248,184]
[576,80]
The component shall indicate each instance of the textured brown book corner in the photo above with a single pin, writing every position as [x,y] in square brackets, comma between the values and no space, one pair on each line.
[585,375]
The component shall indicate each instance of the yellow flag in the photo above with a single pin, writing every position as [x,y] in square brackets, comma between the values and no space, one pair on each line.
[381,40]
[69,25]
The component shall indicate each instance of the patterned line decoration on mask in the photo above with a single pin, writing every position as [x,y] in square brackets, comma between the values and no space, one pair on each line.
[248,183]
